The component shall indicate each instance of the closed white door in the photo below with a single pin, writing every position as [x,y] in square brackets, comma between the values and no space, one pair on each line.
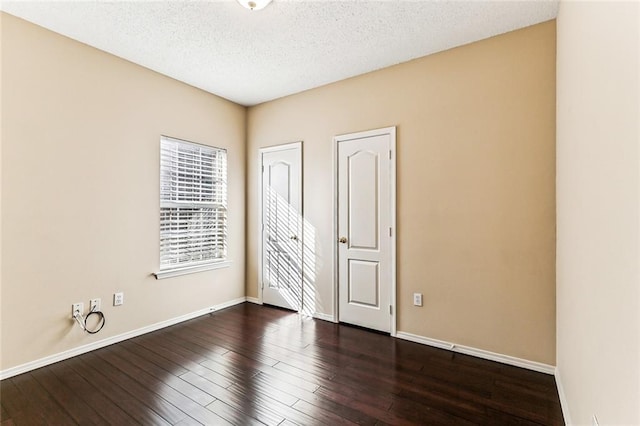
[365,221]
[282,226]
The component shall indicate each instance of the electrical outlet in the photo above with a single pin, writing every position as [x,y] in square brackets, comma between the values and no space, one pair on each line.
[77,309]
[417,299]
[94,305]
[118,299]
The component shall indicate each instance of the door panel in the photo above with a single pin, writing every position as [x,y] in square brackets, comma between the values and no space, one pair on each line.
[282,227]
[364,222]
[362,176]
[364,283]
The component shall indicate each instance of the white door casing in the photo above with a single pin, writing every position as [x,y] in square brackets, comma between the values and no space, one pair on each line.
[281,226]
[365,240]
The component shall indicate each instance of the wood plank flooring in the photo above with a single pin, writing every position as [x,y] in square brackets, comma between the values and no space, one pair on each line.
[256,365]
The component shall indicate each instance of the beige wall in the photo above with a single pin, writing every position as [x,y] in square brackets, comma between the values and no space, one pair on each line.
[476,195]
[598,196]
[80,188]
[476,129]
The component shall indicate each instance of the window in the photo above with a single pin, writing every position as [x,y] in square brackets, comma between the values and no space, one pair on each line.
[193,207]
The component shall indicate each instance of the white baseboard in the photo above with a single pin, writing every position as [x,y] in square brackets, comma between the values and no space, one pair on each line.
[254,300]
[564,404]
[29,366]
[324,317]
[480,353]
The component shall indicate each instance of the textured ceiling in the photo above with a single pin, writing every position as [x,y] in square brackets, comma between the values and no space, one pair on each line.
[290,46]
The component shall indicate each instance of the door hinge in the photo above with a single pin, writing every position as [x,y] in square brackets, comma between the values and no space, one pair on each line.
[389,154]
[390,233]
[390,310]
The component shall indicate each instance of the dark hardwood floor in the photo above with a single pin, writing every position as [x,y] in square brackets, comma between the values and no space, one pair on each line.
[254,365]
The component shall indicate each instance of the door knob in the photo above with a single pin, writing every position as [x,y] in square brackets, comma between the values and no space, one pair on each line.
[343,240]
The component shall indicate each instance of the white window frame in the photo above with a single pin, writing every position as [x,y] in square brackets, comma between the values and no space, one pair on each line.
[193,207]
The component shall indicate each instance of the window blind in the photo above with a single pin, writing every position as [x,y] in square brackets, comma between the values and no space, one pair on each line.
[193,204]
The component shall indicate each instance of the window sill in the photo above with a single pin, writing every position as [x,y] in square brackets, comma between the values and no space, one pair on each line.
[169,273]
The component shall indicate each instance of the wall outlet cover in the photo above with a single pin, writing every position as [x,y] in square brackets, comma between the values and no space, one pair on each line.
[118,299]
[417,299]
[77,309]
[94,305]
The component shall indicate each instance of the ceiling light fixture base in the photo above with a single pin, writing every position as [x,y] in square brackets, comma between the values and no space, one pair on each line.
[254,4]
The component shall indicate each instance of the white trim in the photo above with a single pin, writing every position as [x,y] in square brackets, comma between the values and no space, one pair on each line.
[260,230]
[169,273]
[324,317]
[394,228]
[564,404]
[42,362]
[334,245]
[255,300]
[275,148]
[366,134]
[261,152]
[391,131]
[479,353]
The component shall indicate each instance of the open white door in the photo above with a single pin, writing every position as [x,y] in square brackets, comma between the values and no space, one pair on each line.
[366,218]
[281,271]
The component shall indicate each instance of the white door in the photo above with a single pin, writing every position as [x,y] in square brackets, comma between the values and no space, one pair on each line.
[366,215]
[281,277]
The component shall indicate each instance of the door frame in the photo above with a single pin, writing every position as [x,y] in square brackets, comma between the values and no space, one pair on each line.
[391,131]
[261,151]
